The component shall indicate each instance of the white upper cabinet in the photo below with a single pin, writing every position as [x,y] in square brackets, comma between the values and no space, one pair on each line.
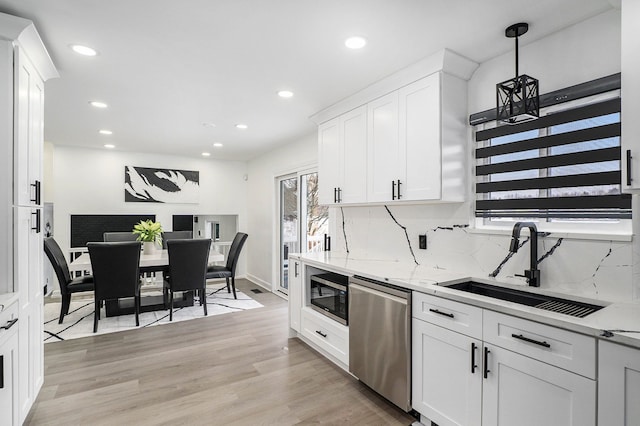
[384,148]
[414,153]
[342,144]
[402,139]
[630,66]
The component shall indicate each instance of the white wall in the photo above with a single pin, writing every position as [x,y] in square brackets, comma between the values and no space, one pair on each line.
[261,208]
[91,181]
[594,268]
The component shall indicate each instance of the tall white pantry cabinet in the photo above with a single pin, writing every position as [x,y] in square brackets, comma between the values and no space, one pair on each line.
[24,67]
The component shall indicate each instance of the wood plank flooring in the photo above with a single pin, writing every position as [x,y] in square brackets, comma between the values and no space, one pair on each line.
[230,369]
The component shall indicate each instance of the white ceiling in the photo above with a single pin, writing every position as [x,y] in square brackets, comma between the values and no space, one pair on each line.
[166,67]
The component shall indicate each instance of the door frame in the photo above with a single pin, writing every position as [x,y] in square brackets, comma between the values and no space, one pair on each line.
[295,172]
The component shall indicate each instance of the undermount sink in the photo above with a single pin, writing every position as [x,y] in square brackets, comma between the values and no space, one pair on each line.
[541,301]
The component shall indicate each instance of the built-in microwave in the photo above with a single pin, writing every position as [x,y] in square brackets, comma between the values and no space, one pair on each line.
[329,295]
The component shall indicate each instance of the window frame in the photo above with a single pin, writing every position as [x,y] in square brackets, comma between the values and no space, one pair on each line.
[620,229]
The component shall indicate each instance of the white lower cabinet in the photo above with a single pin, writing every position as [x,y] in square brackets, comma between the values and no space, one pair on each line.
[9,413]
[618,385]
[326,334]
[295,293]
[447,378]
[522,391]
[461,379]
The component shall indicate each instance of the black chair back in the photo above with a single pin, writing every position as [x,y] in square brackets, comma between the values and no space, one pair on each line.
[116,268]
[188,263]
[175,235]
[234,251]
[59,263]
[111,237]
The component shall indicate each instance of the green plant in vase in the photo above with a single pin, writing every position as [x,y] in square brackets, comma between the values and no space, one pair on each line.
[150,233]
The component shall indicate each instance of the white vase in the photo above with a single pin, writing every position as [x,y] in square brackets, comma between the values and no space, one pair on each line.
[149,247]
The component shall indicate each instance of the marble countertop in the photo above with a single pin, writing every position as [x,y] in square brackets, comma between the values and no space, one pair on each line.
[606,324]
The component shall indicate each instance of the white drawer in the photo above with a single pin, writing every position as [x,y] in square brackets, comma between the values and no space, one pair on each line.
[565,349]
[327,334]
[465,319]
[8,314]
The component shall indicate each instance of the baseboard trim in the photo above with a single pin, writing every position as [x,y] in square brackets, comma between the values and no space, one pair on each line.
[259,282]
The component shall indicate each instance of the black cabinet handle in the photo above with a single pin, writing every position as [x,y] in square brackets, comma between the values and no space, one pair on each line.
[321,333]
[37,190]
[9,324]
[37,227]
[335,195]
[339,194]
[399,195]
[446,314]
[486,362]
[473,358]
[1,371]
[327,242]
[629,157]
[527,339]
[393,189]
[295,269]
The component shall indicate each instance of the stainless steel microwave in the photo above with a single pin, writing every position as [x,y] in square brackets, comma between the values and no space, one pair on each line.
[330,296]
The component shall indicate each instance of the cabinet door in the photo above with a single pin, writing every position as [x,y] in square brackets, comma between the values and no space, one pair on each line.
[630,63]
[295,294]
[329,161]
[522,391]
[618,385]
[29,280]
[29,127]
[9,381]
[353,142]
[420,151]
[447,375]
[383,148]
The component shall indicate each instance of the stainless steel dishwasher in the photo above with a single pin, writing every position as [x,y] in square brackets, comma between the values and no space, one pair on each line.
[380,338]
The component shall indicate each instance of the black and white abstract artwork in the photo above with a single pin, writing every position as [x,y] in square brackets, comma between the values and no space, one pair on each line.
[148,185]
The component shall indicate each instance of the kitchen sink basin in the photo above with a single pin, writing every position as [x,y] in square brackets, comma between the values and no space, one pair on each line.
[541,301]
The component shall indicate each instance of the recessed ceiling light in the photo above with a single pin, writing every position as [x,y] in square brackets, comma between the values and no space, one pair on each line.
[208,125]
[97,104]
[355,42]
[218,145]
[83,50]
[105,132]
[108,145]
[242,126]
[206,154]
[285,94]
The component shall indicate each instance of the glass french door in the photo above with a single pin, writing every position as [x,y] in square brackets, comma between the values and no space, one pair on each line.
[302,221]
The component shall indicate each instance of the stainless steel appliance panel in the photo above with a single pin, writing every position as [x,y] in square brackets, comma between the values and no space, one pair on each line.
[380,339]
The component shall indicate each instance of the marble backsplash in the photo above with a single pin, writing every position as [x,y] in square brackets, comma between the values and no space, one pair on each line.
[598,269]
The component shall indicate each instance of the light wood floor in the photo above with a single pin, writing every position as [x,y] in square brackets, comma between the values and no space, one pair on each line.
[231,369]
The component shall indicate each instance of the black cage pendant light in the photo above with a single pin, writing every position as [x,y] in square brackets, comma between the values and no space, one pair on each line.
[517,98]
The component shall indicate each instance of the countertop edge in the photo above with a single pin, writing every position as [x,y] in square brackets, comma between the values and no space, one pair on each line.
[595,325]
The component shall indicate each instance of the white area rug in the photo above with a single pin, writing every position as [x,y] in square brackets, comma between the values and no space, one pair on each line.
[79,321]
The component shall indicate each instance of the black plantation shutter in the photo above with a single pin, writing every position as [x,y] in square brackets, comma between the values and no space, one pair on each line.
[563,165]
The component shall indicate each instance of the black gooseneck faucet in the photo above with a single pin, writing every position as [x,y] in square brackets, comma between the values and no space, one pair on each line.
[533,273]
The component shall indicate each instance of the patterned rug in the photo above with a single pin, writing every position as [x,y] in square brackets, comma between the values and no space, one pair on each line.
[79,322]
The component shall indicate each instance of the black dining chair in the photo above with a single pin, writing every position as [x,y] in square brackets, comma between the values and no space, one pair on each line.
[228,271]
[112,237]
[68,285]
[187,269]
[116,274]
[175,235]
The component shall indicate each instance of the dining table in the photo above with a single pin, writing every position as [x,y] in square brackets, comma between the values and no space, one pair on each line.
[150,263]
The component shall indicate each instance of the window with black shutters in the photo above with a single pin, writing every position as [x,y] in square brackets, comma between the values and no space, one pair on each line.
[563,167]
